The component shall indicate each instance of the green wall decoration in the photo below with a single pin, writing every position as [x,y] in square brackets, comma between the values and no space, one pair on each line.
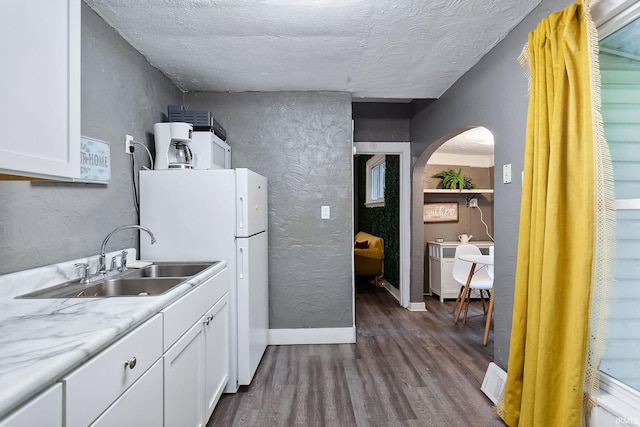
[383,221]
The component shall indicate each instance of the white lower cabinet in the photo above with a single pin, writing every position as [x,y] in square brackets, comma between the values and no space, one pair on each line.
[216,354]
[196,367]
[183,381]
[140,405]
[441,256]
[43,410]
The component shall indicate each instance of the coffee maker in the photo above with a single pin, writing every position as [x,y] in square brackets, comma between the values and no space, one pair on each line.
[172,145]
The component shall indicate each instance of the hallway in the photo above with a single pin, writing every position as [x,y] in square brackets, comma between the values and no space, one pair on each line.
[406,369]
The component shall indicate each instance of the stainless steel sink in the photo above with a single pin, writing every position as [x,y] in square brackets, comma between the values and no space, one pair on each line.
[169,270]
[155,279]
[125,287]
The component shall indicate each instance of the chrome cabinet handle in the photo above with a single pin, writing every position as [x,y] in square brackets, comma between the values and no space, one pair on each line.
[208,320]
[131,363]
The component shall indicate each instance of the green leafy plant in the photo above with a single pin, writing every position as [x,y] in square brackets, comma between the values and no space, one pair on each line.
[453,180]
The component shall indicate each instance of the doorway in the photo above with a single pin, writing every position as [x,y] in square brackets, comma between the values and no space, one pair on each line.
[469,149]
[403,150]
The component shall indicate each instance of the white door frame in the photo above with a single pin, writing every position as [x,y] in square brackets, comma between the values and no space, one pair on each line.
[403,149]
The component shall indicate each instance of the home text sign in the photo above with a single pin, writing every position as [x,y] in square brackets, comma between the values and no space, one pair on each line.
[95,160]
[440,212]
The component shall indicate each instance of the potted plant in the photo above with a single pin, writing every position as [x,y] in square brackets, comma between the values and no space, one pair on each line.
[453,180]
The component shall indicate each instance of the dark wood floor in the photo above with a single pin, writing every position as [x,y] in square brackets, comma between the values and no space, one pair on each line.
[406,369]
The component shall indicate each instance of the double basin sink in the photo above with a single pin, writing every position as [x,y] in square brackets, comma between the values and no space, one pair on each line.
[155,279]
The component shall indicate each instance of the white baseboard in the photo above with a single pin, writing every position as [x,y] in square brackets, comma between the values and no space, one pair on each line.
[312,336]
[391,289]
[395,292]
[417,306]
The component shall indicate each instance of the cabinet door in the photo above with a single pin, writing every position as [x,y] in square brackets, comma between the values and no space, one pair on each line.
[183,380]
[435,274]
[44,410]
[216,356]
[140,405]
[40,86]
[450,288]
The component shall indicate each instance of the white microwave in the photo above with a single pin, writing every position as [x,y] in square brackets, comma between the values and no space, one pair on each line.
[209,151]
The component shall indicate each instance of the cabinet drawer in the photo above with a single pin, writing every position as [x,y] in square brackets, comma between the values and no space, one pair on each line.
[94,386]
[43,410]
[182,314]
[140,405]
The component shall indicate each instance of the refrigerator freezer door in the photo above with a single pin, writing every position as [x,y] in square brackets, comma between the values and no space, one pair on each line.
[185,211]
[252,209]
[253,304]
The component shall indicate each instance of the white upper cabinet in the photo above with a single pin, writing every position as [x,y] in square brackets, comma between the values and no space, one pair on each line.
[40,86]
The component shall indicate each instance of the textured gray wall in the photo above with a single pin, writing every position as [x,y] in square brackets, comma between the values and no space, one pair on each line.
[45,223]
[381,122]
[492,94]
[381,130]
[301,141]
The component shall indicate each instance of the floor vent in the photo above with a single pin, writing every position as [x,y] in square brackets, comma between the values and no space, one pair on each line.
[493,383]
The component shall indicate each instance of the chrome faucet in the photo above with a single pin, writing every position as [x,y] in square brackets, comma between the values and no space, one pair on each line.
[102,268]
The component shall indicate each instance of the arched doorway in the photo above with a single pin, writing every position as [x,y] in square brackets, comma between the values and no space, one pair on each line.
[467,133]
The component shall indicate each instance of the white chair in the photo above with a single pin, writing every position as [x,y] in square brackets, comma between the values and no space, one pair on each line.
[481,280]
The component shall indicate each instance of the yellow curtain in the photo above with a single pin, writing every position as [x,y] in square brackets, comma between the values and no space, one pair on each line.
[550,331]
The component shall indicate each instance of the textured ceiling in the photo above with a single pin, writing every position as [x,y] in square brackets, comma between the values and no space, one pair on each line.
[475,141]
[372,49]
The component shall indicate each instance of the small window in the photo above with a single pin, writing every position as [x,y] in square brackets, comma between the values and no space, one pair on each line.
[375,181]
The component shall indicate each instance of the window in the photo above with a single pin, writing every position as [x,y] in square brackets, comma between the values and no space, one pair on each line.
[620,74]
[375,181]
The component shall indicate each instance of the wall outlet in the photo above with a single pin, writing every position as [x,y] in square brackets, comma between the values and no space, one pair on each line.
[506,173]
[128,146]
[473,203]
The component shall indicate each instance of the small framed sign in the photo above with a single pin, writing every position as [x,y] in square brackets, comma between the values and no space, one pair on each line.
[95,161]
[440,212]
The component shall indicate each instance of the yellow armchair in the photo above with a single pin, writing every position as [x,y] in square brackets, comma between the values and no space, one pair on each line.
[368,251]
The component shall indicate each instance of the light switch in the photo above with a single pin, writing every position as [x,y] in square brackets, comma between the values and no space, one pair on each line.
[506,173]
[325,212]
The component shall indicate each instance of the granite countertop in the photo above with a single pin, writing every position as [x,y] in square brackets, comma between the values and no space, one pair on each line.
[42,340]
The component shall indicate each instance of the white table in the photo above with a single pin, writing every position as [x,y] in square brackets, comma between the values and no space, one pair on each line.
[483,260]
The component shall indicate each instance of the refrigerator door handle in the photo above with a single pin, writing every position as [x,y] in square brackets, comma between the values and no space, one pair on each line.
[241,264]
[241,213]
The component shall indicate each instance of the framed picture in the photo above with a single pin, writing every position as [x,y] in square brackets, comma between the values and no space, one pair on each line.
[440,212]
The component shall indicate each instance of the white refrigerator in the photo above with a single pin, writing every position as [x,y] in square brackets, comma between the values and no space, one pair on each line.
[208,215]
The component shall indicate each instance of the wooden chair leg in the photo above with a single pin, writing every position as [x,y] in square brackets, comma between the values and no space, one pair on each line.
[487,326]
[489,296]
[455,306]
[466,307]
[466,290]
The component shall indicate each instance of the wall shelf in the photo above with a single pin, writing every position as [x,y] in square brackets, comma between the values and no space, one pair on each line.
[469,194]
[445,191]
